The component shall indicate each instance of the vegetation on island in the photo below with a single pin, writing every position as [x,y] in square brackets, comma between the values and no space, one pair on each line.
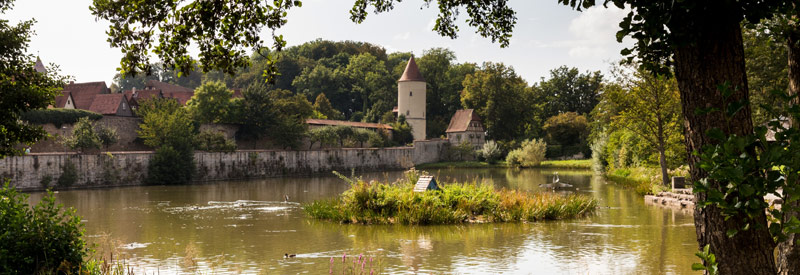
[397,203]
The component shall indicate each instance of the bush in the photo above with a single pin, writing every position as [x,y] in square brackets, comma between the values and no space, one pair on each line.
[325,136]
[83,136]
[69,175]
[213,141]
[107,135]
[532,153]
[171,165]
[58,116]
[42,239]
[459,152]
[490,152]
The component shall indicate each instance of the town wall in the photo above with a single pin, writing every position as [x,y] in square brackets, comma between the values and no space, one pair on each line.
[40,170]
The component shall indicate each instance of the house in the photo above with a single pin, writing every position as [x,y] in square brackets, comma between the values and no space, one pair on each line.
[466,126]
[83,93]
[179,93]
[111,105]
[136,97]
[64,101]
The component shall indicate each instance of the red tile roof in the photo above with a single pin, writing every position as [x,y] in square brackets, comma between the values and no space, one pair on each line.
[461,119]
[412,72]
[61,100]
[165,87]
[83,93]
[328,122]
[182,97]
[107,104]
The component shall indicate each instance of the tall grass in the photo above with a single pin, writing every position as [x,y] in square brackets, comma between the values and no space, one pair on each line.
[645,180]
[397,203]
[567,164]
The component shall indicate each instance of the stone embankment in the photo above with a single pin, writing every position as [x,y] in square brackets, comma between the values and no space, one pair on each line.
[681,198]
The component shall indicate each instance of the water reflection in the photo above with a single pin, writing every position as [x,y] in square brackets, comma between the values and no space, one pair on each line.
[245,226]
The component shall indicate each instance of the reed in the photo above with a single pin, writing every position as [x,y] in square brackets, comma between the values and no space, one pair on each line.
[397,203]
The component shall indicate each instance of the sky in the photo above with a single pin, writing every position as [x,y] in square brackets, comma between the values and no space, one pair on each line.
[547,35]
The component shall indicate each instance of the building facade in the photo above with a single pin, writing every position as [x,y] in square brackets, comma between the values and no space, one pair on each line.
[466,126]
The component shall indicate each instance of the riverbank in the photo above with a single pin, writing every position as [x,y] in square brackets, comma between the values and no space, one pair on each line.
[644,180]
[555,164]
[398,203]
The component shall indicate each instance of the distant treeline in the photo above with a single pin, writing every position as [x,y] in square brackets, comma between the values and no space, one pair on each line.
[360,81]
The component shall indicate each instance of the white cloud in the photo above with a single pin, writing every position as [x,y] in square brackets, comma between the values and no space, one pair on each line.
[402,36]
[594,31]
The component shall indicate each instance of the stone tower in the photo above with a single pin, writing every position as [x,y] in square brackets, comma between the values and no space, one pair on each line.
[411,99]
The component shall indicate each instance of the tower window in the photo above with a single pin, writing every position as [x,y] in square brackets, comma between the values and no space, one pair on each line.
[407,112]
[410,93]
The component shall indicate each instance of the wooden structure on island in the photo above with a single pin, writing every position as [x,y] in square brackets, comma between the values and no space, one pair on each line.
[425,183]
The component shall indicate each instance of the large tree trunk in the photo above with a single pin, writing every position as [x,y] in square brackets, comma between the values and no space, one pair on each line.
[789,251]
[713,58]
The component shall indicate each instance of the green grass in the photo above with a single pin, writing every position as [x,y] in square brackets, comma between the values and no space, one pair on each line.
[560,164]
[566,164]
[645,180]
[396,203]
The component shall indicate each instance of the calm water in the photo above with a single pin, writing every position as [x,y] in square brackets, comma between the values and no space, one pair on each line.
[245,227]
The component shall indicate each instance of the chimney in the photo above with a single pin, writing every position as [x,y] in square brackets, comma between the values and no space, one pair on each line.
[133,92]
[72,82]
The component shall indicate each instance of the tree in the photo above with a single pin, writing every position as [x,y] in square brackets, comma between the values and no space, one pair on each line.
[499,96]
[444,78]
[107,135]
[257,112]
[767,69]
[567,90]
[325,136]
[169,128]
[567,130]
[647,105]
[22,88]
[323,105]
[291,112]
[83,136]
[210,103]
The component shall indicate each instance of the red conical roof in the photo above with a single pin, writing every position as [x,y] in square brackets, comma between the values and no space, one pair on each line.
[412,72]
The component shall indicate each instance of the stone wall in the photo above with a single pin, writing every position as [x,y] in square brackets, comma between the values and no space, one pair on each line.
[126,128]
[37,171]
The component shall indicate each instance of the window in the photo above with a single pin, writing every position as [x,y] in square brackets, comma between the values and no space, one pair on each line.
[407,112]
[410,93]
[124,107]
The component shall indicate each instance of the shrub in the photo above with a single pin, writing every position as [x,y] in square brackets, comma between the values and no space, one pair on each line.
[462,151]
[107,135]
[213,141]
[83,136]
[69,175]
[530,154]
[42,239]
[361,135]
[58,116]
[490,151]
[171,165]
[378,139]
[325,136]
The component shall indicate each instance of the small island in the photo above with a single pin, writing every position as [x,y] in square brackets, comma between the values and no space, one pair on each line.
[397,203]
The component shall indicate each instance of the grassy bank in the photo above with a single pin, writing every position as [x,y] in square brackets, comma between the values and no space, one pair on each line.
[560,164]
[396,203]
[645,180]
[461,164]
[567,164]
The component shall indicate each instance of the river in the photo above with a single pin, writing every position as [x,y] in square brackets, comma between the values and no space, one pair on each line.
[246,227]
